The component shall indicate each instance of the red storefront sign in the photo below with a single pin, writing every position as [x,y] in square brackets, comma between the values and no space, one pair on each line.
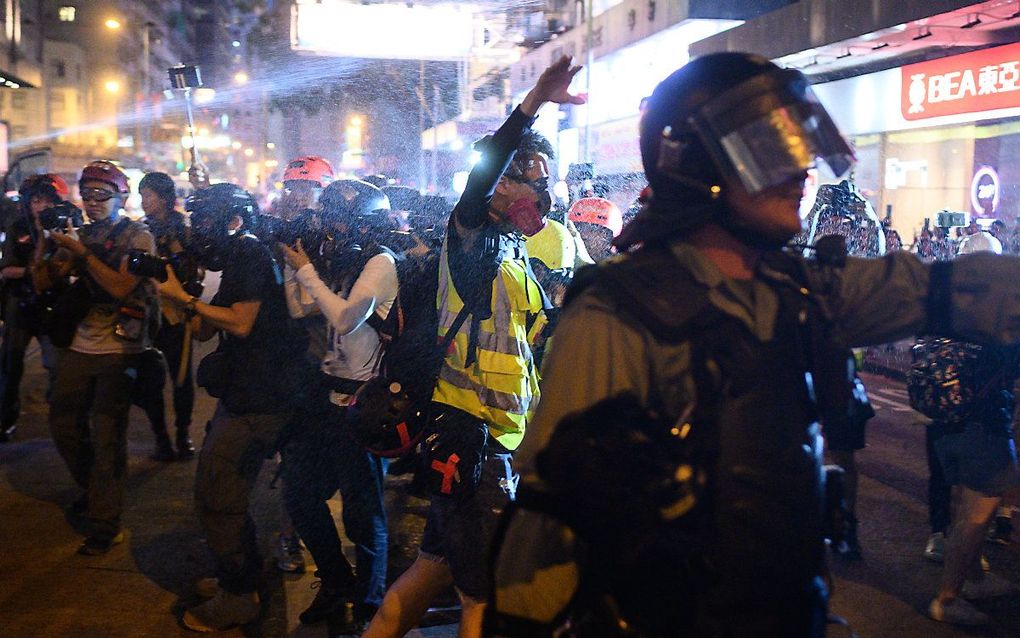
[970,83]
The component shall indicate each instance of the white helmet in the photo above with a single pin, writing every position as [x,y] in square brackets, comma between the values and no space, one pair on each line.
[979,241]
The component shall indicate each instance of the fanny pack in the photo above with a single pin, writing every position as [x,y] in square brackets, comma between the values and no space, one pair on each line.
[453,453]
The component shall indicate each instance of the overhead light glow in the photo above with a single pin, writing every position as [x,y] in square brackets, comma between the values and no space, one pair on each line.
[112,86]
[240,78]
[112,23]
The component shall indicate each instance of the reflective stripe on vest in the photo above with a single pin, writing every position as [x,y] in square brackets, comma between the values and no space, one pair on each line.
[501,386]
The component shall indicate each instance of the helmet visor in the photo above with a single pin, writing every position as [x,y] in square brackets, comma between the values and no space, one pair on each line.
[770,129]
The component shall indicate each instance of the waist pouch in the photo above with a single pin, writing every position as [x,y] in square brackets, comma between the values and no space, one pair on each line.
[213,374]
[66,309]
[453,452]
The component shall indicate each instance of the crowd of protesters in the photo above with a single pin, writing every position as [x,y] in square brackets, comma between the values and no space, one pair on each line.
[318,362]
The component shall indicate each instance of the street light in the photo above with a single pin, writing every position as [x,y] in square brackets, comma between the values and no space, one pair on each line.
[240,78]
[112,24]
[112,86]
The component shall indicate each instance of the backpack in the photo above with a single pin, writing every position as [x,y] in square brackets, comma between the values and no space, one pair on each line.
[941,380]
[388,412]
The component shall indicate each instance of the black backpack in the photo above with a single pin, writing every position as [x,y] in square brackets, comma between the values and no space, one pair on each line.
[388,413]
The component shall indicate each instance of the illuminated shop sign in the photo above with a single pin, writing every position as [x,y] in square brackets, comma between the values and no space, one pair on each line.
[984,191]
[980,81]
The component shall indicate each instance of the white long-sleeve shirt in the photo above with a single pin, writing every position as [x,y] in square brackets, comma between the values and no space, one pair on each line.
[353,344]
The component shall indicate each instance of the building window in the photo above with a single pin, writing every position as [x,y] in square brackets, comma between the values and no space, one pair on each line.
[59,69]
[66,14]
[18,100]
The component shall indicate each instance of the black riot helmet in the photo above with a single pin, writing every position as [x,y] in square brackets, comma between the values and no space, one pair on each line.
[211,210]
[726,120]
[355,203]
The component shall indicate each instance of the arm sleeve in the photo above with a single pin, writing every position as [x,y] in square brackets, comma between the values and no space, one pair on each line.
[376,284]
[472,208]
[595,355]
[897,296]
[299,302]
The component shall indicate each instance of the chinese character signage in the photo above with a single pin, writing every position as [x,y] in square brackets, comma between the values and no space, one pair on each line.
[984,80]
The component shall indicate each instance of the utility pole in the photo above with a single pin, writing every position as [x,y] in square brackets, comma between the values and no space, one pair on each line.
[589,60]
[435,138]
[421,126]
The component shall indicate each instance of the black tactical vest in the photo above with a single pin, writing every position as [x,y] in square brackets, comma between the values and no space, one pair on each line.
[755,431]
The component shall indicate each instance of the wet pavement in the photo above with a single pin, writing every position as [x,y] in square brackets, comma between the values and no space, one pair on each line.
[140,588]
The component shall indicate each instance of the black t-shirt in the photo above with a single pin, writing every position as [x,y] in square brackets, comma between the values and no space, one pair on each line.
[262,364]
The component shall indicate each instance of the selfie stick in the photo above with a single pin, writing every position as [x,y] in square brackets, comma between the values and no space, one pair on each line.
[187,77]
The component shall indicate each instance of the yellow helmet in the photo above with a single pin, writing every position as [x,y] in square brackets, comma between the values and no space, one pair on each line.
[553,246]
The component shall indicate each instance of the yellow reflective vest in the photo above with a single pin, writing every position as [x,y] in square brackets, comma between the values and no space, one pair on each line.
[500,387]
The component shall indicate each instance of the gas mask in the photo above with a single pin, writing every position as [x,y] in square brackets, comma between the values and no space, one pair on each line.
[527,215]
[209,240]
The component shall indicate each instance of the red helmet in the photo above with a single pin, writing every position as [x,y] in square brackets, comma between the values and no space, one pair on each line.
[598,211]
[47,181]
[310,168]
[104,171]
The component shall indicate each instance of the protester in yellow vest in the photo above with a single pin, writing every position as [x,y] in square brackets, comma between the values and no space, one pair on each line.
[488,383]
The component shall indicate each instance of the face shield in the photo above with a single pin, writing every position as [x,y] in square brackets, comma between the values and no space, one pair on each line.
[770,129]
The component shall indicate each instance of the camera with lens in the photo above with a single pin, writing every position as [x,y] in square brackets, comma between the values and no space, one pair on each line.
[306,226]
[56,217]
[184,266]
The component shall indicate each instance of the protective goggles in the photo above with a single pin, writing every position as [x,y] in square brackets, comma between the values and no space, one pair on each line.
[96,195]
[765,131]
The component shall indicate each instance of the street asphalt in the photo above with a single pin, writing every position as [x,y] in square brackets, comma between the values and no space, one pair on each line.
[141,587]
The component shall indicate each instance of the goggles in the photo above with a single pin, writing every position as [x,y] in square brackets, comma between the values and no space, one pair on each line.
[96,195]
[764,132]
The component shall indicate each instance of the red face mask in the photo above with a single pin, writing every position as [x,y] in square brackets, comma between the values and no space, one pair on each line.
[524,215]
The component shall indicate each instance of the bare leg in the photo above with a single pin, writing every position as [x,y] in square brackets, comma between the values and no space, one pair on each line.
[971,515]
[472,612]
[409,598]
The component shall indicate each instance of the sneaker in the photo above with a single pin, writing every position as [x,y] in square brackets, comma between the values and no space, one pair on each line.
[288,554]
[329,601]
[99,545]
[957,612]
[935,550]
[207,587]
[222,611]
[990,586]
[185,448]
[849,548]
[7,433]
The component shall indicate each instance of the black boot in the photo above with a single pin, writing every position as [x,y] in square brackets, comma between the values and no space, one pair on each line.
[164,452]
[185,449]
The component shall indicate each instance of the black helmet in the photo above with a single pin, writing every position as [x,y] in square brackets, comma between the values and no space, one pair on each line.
[726,119]
[348,200]
[222,202]
[211,210]
[403,197]
[385,419]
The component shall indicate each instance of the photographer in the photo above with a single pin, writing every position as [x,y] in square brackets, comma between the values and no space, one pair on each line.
[361,281]
[256,375]
[95,374]
[169,228]
[21,306]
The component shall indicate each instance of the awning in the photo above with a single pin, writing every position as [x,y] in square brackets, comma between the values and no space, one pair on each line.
[11,81]
[829,40]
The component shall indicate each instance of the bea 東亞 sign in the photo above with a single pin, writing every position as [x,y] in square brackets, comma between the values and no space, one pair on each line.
[984,80]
